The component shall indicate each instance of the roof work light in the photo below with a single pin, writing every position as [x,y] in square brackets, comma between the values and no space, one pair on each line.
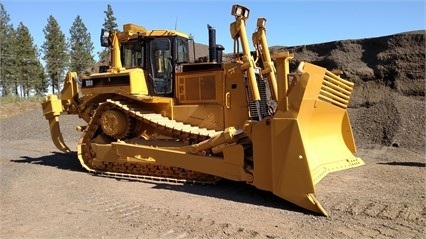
[240,11]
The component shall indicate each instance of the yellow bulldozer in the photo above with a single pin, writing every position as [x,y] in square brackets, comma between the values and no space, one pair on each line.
[157,114]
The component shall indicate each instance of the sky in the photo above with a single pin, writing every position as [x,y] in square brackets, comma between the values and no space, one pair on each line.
[289,22]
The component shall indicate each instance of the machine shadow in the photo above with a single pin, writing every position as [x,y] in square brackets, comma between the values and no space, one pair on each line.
[224,189]
[65,161]
[237,192]
[408,164]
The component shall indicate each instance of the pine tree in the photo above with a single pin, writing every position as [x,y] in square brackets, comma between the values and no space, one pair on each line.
[109,25]
[6,52]
[81,47]
[28,64]
[40,86]
[10,64]
[55,52]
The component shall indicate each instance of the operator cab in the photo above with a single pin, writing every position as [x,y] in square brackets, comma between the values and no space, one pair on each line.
[158,53]
[157,56]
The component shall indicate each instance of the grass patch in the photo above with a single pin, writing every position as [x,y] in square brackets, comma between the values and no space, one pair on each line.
[13,105]
[16,99]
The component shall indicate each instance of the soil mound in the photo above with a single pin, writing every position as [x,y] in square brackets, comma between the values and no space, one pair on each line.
[396,61]
[387,107]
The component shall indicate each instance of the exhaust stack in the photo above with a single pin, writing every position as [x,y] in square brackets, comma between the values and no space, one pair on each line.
[215,51]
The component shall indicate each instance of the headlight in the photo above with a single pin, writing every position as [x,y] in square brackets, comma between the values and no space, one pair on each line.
[261,22]
[105,41]
[240,11]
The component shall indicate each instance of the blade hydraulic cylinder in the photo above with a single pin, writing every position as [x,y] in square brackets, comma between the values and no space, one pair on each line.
[259,40]
[238,30]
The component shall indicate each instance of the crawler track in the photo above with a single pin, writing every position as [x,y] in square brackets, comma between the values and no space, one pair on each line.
[143,170]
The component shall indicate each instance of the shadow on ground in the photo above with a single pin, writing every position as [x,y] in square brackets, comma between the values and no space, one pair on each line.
[224,189]
[65,161]
[237,192]
[409,164]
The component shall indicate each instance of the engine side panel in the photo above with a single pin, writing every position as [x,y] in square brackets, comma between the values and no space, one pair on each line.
[200,87]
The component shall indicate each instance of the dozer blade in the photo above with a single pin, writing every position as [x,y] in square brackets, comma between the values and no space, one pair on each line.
[308,141]
[52,108]
[304,153]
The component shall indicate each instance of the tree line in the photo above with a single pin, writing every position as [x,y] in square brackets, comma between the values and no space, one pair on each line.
[21,70]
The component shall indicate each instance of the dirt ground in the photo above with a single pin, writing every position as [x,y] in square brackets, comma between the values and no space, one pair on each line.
[47,194]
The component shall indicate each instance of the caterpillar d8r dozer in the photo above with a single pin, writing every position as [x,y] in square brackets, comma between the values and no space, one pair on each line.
[156,114]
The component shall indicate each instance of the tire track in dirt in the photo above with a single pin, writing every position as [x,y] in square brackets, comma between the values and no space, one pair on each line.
[412,213]
[167,224]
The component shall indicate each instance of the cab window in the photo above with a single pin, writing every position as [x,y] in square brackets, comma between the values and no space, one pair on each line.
[161,65]
[132,54]
[182,50]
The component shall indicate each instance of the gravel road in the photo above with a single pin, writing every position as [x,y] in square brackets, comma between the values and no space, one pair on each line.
[47,194]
